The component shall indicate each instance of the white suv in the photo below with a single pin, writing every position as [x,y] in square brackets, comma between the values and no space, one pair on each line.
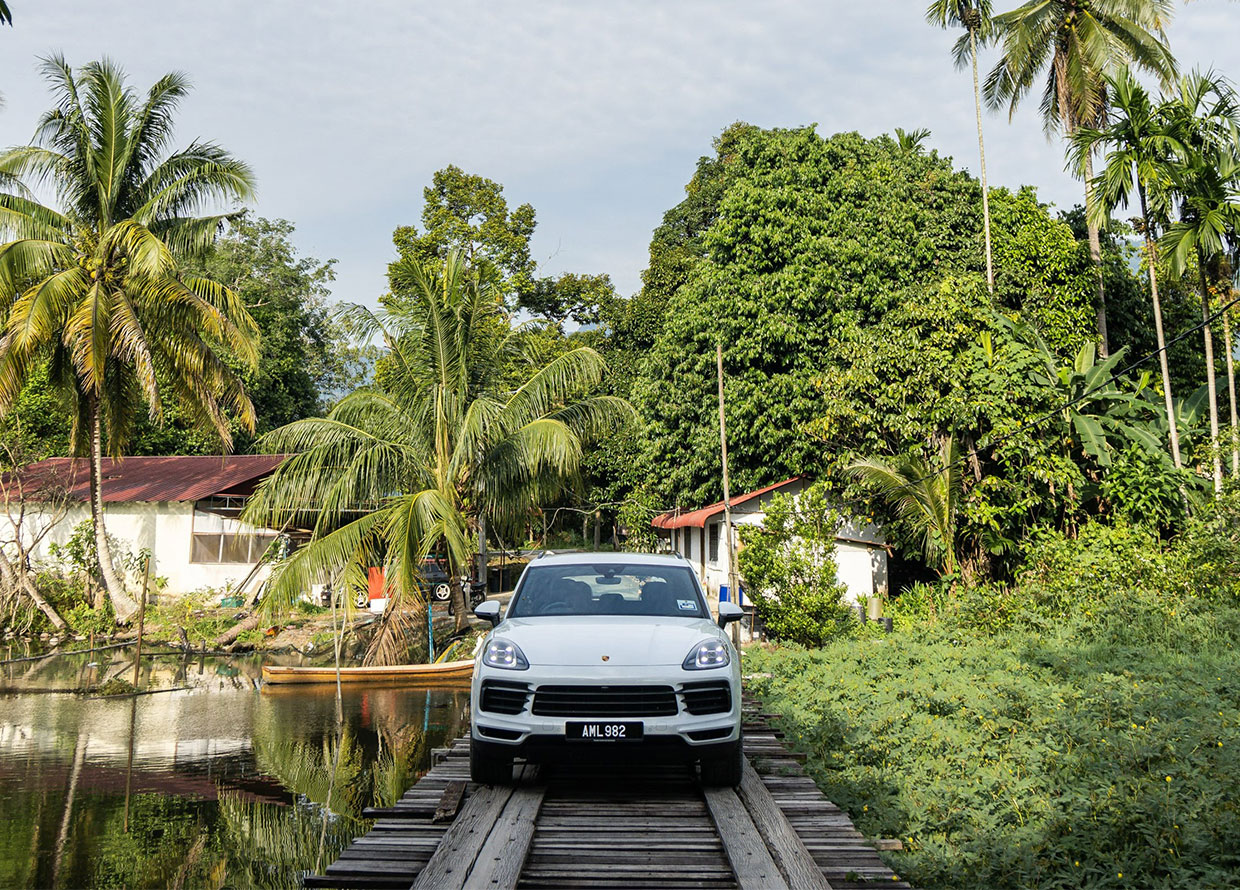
[607,652]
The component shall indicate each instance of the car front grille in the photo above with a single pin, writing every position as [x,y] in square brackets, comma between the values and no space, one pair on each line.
[605,701]
[708,697]
[500,697]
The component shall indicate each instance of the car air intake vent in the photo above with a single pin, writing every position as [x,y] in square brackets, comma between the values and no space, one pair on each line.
[605,701]
[711,697]
[500,697]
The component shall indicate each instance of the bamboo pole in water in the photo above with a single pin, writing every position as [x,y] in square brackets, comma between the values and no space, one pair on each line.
[137,659]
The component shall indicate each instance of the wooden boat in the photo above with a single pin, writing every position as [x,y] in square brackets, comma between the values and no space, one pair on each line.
[392,674]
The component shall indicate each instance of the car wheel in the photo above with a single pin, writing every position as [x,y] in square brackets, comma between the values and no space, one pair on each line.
[442,592]
[724,769]
[489,764]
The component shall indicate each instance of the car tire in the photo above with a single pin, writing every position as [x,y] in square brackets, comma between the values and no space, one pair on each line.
[442,592]
[725,768]
[489,764]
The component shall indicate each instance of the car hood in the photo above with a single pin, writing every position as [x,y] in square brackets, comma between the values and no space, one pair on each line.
[577,641]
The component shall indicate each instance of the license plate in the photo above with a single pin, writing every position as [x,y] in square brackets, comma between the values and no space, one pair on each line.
[603,731]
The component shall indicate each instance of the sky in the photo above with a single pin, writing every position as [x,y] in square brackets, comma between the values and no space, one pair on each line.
[593,112]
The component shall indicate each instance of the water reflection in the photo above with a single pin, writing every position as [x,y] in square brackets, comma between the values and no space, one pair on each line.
[213,785]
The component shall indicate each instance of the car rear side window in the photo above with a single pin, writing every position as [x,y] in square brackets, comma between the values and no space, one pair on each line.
[608,589]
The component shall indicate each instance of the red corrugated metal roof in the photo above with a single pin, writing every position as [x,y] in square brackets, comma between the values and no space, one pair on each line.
[698,518]
[143,478]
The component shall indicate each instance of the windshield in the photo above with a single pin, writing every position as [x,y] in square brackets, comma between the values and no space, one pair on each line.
[608,589]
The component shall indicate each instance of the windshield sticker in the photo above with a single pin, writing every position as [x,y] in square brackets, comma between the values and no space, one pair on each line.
[686,605]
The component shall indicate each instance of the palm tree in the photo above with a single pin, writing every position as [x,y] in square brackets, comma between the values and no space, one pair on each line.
[1076,42]
[912,141]
[975,17]
[94,287]
[1205,182]
[924,494]
[396,473]
[1140,150]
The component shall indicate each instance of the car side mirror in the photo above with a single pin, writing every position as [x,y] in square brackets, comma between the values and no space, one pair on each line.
[729,612]
[489,611]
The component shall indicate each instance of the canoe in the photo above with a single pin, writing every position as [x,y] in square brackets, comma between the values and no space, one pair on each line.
[402,674]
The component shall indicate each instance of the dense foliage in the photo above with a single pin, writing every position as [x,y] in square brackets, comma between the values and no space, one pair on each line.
[1072,731]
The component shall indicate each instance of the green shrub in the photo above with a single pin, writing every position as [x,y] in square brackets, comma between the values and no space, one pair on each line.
[789,570]
[1030,759]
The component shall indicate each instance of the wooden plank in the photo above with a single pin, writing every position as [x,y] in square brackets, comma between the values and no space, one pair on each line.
[450,802]
[499,863]
[786,847]
[751,861]
[455,855]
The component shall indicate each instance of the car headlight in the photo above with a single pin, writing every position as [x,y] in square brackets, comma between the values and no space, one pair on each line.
[506,655]
[707,654]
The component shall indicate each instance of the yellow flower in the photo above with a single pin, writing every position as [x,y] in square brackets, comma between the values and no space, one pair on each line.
[1077,863]
[1121,874]
[1168,778]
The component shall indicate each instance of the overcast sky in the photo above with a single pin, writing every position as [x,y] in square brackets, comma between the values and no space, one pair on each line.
[593,112]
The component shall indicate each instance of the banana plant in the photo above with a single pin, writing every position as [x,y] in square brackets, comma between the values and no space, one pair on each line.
[1101,414]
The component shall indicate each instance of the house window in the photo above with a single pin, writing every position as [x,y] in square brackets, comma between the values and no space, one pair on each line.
[714,542]
[218,539]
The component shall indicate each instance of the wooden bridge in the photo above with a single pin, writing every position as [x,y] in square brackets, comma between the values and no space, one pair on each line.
[576,825]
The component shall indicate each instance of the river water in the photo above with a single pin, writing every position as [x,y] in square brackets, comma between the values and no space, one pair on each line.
[211,782]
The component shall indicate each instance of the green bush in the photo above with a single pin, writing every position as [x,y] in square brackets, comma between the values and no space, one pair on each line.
[1030,760]
[788,567]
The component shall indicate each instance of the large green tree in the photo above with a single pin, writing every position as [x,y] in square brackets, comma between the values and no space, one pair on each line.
[808,241]
[398,473]
[94,286]
[1071,45]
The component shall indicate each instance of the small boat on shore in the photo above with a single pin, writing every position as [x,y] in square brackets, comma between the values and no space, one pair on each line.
[391,674]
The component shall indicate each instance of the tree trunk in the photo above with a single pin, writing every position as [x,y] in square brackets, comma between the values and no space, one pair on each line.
[236,630]
[1231,393]
[1151,257]
[981,150]
[122,604]
[1209,343]
[484,557]
[1095,258]
[459,606]
[19,584]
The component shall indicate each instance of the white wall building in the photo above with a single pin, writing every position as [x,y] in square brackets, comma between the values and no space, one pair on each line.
[860,550]
[183,509]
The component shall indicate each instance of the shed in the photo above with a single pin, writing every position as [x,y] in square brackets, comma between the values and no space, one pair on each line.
[184,509]
[698,535]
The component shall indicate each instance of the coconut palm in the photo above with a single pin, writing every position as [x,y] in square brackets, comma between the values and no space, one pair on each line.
[925,494]
[397,473]
[1139,147]
[1076,42]
[93,286]
[1205,183]
[975,17]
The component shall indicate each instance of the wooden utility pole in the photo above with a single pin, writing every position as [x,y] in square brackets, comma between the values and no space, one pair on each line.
[733,585]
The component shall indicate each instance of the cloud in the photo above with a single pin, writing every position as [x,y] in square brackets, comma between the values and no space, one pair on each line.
[595,113]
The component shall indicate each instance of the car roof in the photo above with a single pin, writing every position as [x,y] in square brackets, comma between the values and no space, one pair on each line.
[588,558]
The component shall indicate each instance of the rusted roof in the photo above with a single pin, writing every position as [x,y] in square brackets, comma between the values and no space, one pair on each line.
[131,479]
[698,518]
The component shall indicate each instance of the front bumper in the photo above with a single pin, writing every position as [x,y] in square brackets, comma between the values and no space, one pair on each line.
[534,735]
